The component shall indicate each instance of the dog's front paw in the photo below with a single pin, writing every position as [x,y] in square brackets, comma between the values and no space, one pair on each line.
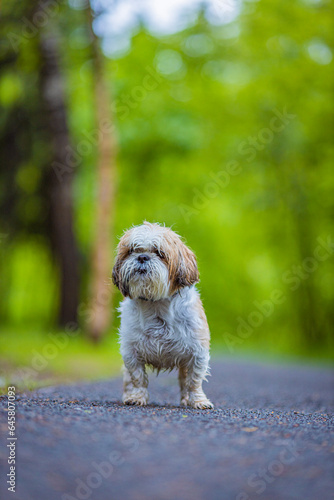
[184,401]
[137,397]
[200,403]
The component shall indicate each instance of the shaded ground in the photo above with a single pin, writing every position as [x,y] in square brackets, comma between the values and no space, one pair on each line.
[269,437]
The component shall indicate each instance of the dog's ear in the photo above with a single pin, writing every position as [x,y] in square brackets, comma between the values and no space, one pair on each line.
[183,269]
[122,253]
[115,273]
[116,277]
[187,273]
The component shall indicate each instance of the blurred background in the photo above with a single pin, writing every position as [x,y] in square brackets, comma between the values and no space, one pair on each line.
[212,117]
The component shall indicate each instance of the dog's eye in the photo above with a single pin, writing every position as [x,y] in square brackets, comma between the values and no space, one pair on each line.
[159,253]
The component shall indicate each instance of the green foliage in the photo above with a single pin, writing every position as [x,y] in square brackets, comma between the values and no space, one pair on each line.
[225,133]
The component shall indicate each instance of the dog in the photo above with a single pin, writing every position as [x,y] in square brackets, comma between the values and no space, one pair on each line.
[163,323]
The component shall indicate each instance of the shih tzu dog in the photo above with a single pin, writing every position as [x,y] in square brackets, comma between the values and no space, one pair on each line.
[163,323]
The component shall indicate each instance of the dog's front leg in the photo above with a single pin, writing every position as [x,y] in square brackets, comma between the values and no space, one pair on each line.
[197,370]
[135,384]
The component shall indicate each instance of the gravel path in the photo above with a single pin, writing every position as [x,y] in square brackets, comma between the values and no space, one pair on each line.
[270,437]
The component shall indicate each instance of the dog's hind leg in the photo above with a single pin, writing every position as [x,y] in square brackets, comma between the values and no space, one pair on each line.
[197,371]
[183,386]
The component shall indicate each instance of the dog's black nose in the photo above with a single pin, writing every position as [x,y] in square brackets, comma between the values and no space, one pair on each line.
[143,257]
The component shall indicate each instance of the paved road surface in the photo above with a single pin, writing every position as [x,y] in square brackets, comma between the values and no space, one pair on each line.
[270,437]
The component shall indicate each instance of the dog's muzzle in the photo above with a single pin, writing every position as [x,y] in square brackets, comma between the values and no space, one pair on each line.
[142,263]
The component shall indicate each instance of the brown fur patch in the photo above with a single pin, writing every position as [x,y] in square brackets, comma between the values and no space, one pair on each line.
[204,332]
[123,251]
[182,264]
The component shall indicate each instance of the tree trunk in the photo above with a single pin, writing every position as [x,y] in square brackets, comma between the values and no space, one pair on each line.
[59,187]
[101,290]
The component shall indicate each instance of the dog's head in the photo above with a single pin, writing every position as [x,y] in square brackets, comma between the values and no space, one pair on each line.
[153,263]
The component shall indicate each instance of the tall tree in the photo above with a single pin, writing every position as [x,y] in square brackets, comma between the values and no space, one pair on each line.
[105,202]
[59,187]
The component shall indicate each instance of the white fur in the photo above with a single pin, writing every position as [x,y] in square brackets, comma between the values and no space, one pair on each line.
[145,236]
[152,286]
[162,333]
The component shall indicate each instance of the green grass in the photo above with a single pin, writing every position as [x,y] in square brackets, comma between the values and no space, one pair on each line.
[32,358]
